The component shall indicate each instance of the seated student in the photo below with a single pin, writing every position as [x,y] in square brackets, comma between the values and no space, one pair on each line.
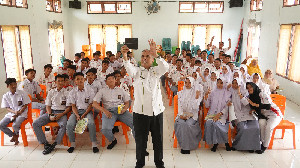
[227,59]
[77,60]
[81,98]
[15,101]
[216,127]
[183,54]
[71,72]
[187,127]
[205,75]
[113,63]
[226,75]
[82,55]
[253,66]
[188,51]
[187,63]
[94,83]
[210,84]
[177,75]
[231,66]
[33,88]
[198,63]
[118,57]
[244,72]
[217,65]
[57,110]
[131,58]
[96,62]
[105,70]
[210,62]
[122,83]
[255,78]
[248,133]
[168,57]
[85,66]
[269,115]
[47,78]
[203,57]
[272,82]
[108,53]
[64,69]
[177,52]
[111,98]
[69,84]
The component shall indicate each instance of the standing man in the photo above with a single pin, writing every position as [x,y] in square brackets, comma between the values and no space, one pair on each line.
[148,106]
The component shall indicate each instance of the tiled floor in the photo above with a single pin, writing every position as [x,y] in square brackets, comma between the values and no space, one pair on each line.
[281,156]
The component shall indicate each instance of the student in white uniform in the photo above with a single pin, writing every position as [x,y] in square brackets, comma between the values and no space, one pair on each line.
[177,75]
[47,78]
[114,63]
[85,66]
[77,60]
[33,88]
[255,78]
[217,66]
[81,99]
[16,103]
[71,72]
[105,70]
[148,105]
[112,97]
[57,109]
[64,69]
[221,45]
[269,115]
[96,62]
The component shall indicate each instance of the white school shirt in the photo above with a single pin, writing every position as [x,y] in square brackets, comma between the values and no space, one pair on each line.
[217,51]
[61,71]
[57,99]
[115,65]
[96,64]
[15,102]
[96,85]
[177,74]
[31,88]
[82,99]
[111,97]
[48,82]
[147,92]
[102,76]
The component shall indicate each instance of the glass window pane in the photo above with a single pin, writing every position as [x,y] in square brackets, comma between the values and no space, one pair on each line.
[109,8]
[216,7]
[201,7]
[95,8]
[186,7]
[124,7]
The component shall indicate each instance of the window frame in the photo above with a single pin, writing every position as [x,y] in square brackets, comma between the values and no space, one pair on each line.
[289,54]
[53,9]
[255,1]
[108,2]
[296,2]
[21,70]
[208,4]
[13,3]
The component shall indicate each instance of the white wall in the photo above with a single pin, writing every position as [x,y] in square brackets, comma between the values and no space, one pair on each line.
[163,24]
[271,16]
[37,17]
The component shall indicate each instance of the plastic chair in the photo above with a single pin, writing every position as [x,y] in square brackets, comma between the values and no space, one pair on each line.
[22,127]
[43,94]
[280,101]
[175,115]
[124,127]
[180,85]
[55,124]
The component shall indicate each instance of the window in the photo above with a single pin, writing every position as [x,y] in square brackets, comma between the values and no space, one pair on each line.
[14,3]
[16,50]
[56,43]
[109,35]
[253,40]
[256,5]
[199,34]
[201,7]
[115,7]
[289,52]
[53,6]
[288,3]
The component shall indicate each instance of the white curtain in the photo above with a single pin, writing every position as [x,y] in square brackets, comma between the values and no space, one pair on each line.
[11,59]
[96,36]
[253,40]
[199,36]
[185,33]
[124,31]
[283,49]
[56,41]
[294,71]
[214,30]
[110,41]
[25,47]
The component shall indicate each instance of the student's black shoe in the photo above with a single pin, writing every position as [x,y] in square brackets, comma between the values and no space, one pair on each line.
[259,152]
[251,151]
[263,148]
[185,151]
[47,129]
[115,129]
[160,166]
[49,149]
[46,146]
[214,148]
[228,148]
[138,166]
[95,150]
[113,143]
[146,153]
[233,149]
[71,149]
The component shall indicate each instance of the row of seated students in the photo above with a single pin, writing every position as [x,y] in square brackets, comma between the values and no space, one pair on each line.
[70,92]
[207,80]
[234,95]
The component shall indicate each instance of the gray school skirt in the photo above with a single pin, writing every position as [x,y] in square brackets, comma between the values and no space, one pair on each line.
[215,132]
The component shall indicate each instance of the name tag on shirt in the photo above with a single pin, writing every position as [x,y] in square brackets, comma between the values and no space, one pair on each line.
[119,97]
[87,100]
[20,103]
[63,101]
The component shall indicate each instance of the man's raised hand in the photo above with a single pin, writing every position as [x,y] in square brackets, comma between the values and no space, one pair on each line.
[152,45]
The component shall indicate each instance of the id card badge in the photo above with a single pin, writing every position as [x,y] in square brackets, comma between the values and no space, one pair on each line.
[87,100]
[20,101]
[63,100]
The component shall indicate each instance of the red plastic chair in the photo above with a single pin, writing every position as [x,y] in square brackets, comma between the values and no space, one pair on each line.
[43,94]
[22,128]
[280,101]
